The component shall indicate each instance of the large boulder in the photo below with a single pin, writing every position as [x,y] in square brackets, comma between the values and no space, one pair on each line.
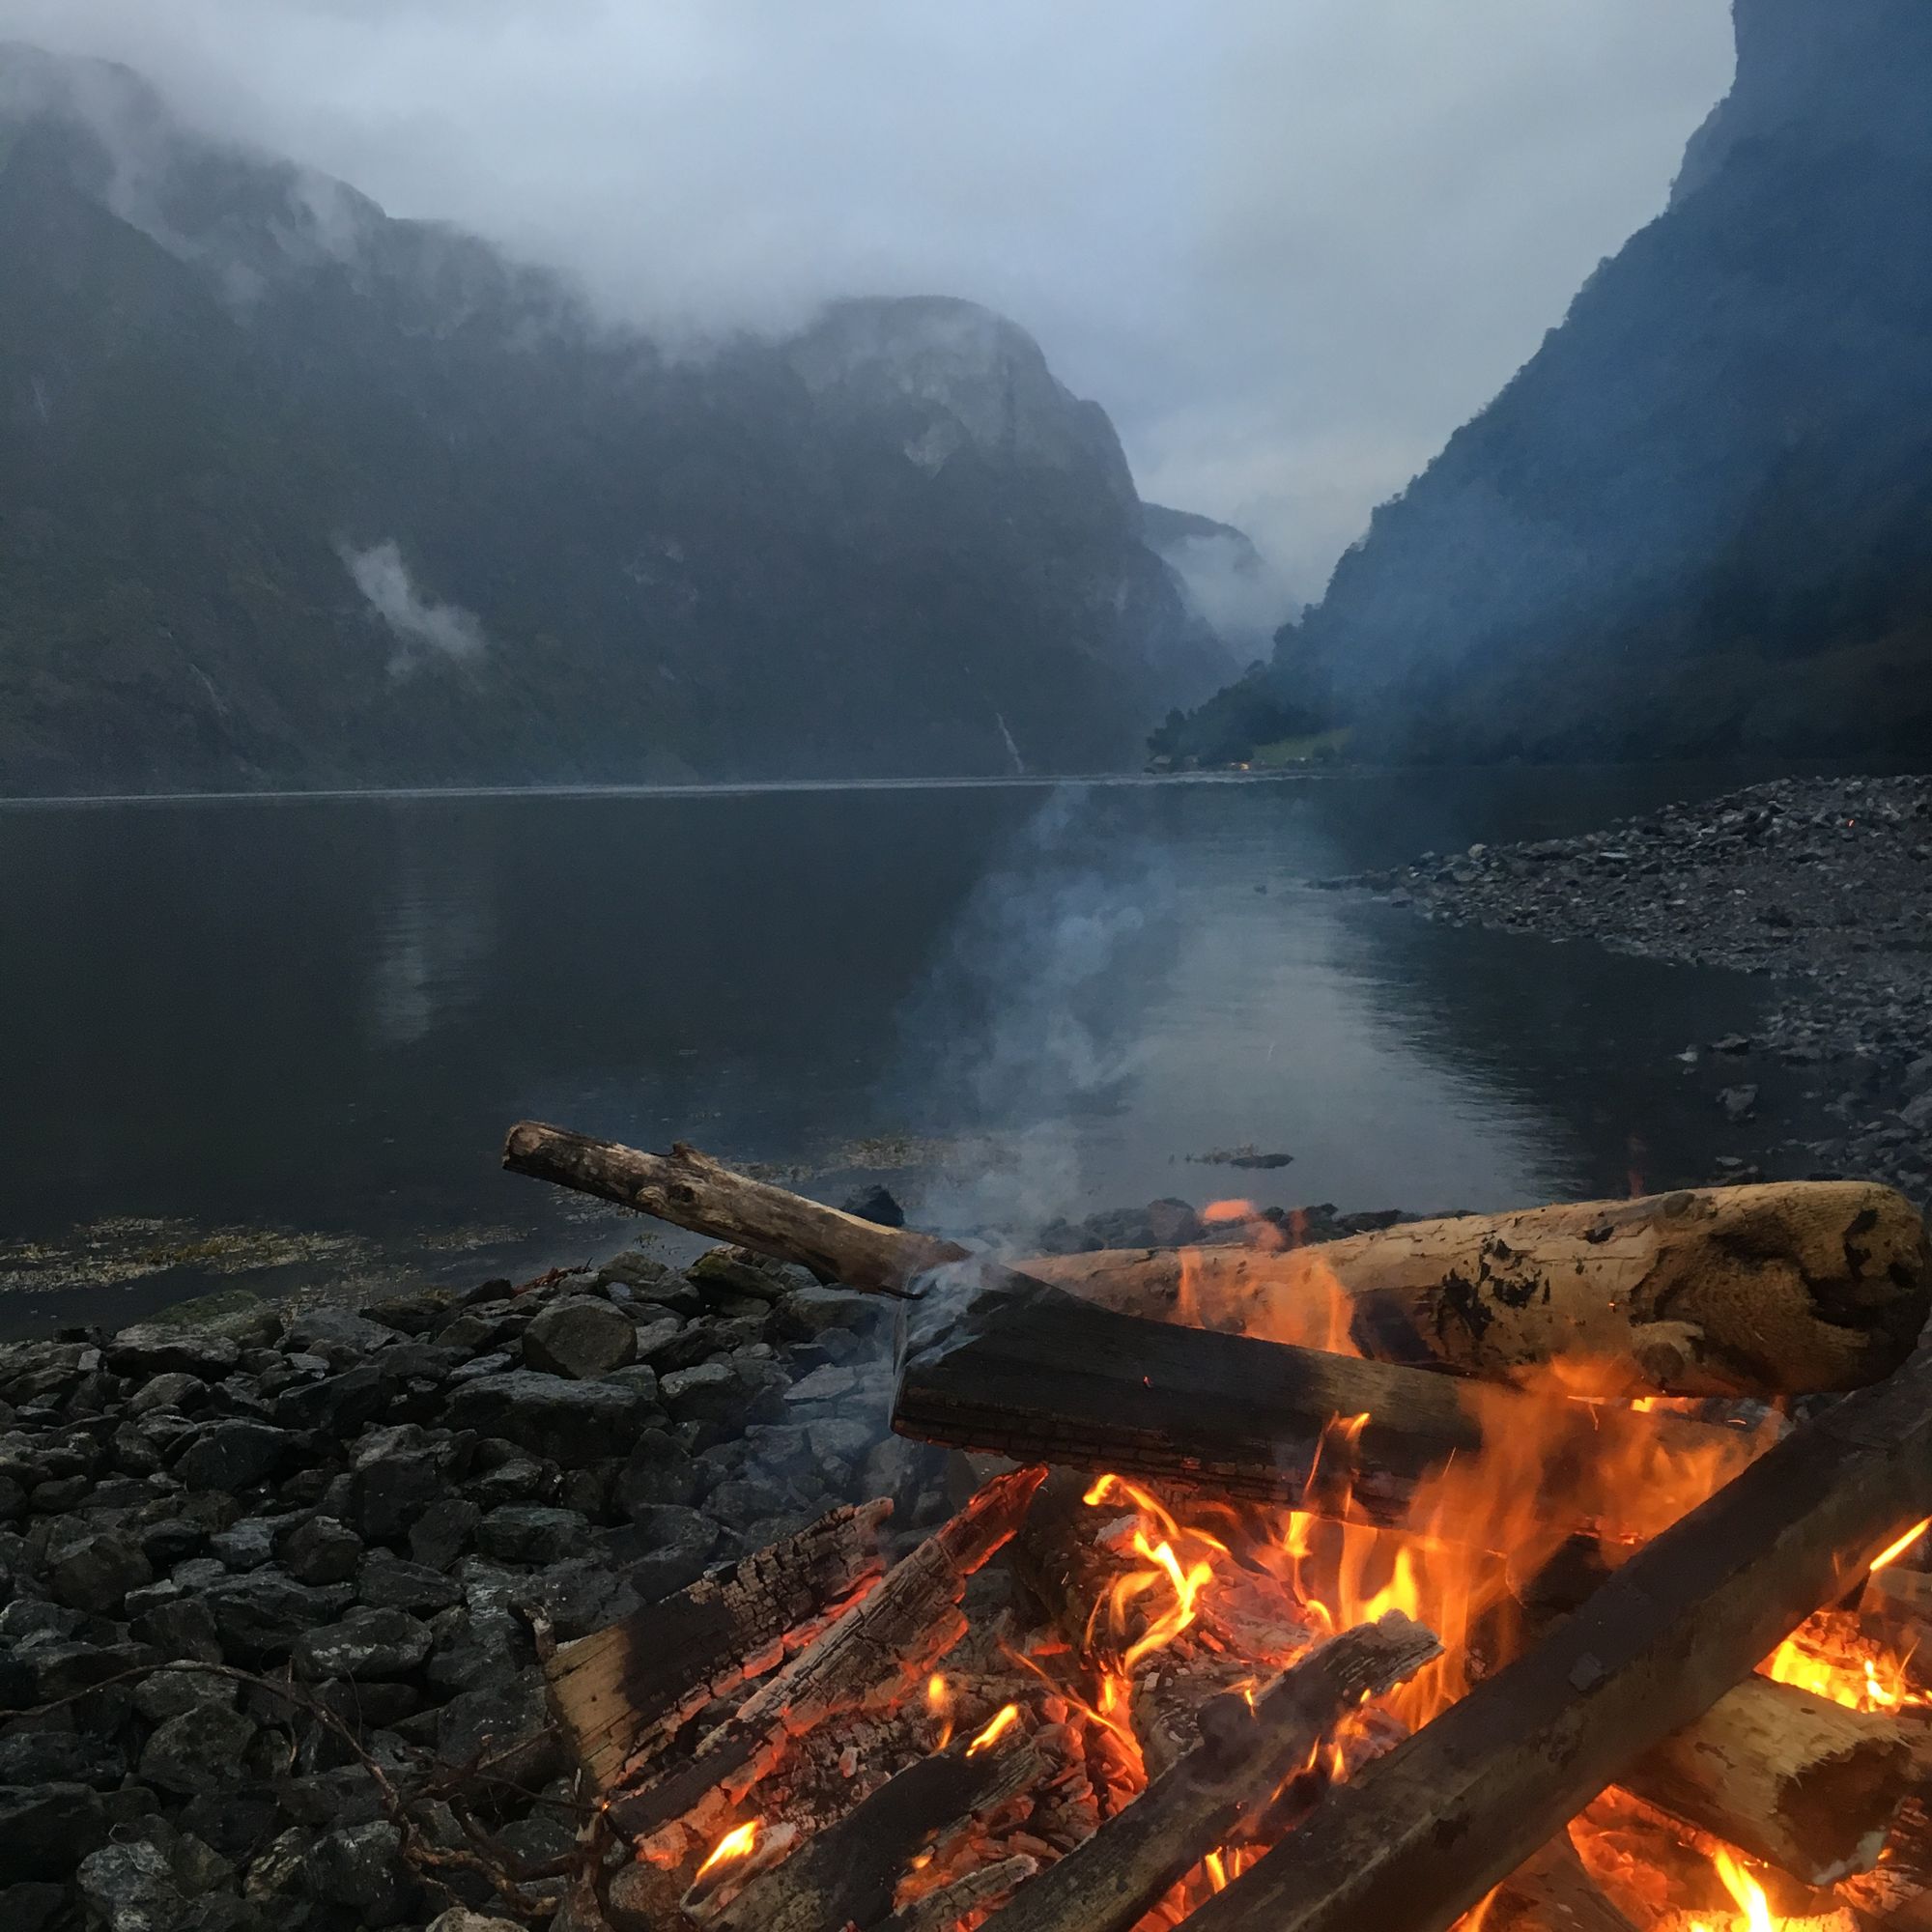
[155,1349]
[199,1750]
[580,1337]
[259,1615]
[234,1455]
[568,1422]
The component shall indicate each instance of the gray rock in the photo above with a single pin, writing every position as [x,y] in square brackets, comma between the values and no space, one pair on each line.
[131,1887]
[569,1421]
[705,1392]
[320,1549]
[340,1406]
[675,1544]
[45,1830]
[338,1335]
[1739,1103]
[200,1750]
[582,1337]
[362,1868]
[826,1384]
[657,1471]
[247,1545]
[389,1583]
[640,1380]
[234,1455]
[168,1693]
[654,1339]
[460,1918]
[1917,1113]
[732,1271]
[441,1533]
[59,1757]
[512,1720]
[175,1390]
[95,1571]
[259,1615]
[367,1644]
[528,1533]
[155,1349]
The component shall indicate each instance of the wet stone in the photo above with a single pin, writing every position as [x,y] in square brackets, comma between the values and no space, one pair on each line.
[583,1337]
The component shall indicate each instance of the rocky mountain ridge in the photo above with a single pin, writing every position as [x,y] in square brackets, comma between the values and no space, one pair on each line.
[301,494]
[1699,519]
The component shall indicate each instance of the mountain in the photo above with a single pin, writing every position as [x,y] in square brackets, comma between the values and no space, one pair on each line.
[291,491]
[1700,518]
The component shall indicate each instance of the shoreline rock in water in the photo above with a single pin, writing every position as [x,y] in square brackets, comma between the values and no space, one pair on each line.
[1825,883]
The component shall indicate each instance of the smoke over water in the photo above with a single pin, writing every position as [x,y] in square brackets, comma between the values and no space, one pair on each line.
[1018,1030]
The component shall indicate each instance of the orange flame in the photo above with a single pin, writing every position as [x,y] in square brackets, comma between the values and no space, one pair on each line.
[734,1844]
[939,1701]
[1003,1720]
[1893,1551]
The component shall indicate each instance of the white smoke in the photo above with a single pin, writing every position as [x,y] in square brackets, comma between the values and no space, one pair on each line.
[1240,595]
[423,630]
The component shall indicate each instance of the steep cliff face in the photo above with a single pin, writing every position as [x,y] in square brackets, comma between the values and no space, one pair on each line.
[1700,518]
[291,491]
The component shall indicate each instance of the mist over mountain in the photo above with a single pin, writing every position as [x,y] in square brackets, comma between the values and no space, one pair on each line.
[1700,518]
[296,493]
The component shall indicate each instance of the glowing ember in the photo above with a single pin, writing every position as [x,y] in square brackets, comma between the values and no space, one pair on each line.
[1003,1720]
[939,1701]
[735,1844]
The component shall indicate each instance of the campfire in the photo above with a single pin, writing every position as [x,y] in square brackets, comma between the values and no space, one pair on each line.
[1544,1571]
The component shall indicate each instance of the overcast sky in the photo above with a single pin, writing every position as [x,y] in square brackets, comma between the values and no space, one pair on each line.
[1289,244]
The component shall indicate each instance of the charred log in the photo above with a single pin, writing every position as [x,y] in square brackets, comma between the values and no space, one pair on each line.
[1424,1833]
[623,1693]
[865,1661]
[1246,1753]
[997,1362]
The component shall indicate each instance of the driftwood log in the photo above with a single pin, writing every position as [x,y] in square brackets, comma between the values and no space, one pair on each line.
[1789,1287]
[1112,1881]
[994,1361]
[866,1660]
[623,1693]
[1423,1833]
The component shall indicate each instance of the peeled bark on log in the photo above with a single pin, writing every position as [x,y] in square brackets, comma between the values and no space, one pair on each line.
[1421,1835]
[847,1874]
[994,1361]
[865,1661]
[1246,1754]
[622,1693]
[1788,1776]
[1786,1288]
[1789,1287]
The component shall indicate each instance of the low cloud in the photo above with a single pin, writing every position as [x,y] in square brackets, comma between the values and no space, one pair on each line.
[424,628]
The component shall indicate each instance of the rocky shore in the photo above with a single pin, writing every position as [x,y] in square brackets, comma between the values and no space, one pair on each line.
[274,1582]
[1825,883]
[272,1591]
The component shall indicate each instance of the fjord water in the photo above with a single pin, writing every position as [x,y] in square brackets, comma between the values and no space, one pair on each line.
[269,1040]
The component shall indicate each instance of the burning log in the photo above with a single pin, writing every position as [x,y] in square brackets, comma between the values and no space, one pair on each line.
[995,1361]
[1788,1288]
[847,1874]
[886,1641]
[1785,1288]
[1421,1835]
[1552,1893]
[623,1693]
[1788,1776]
[1246,1754]
[978,1891]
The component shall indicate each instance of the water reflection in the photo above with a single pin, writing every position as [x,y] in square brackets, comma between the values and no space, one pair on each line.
[321,1015]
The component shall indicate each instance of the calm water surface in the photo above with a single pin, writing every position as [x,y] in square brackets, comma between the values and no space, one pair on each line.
[276,1041]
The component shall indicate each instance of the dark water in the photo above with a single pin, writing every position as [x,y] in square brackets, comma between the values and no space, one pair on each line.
[270,1040]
